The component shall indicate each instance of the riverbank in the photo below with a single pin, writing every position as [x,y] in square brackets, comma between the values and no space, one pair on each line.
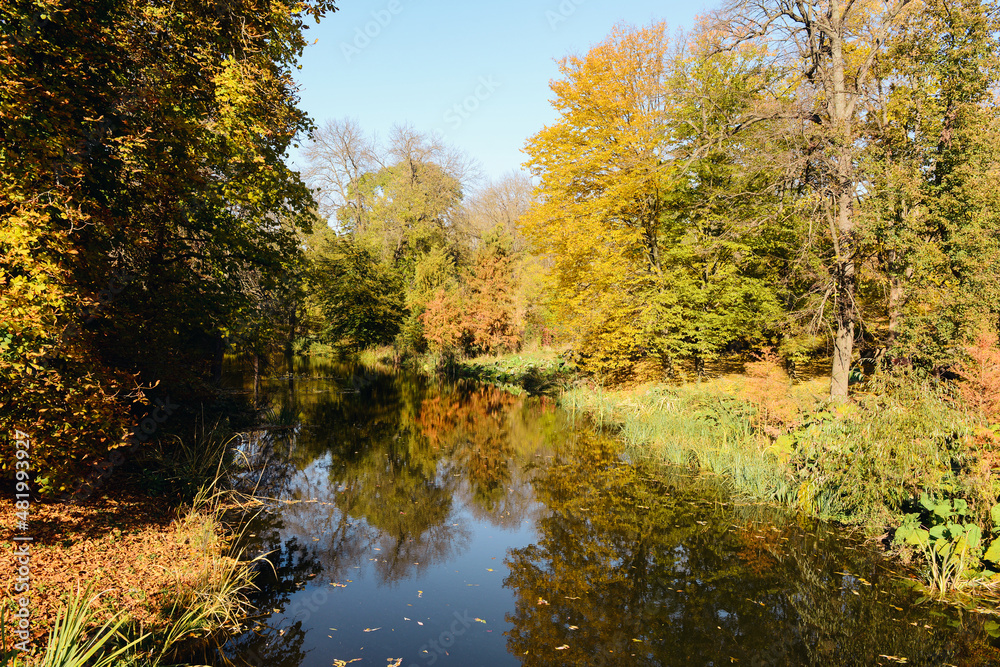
[165,574]
[902,451]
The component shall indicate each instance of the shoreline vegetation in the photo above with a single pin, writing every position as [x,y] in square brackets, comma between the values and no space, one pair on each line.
[125,579]
[725,189]
[146,571]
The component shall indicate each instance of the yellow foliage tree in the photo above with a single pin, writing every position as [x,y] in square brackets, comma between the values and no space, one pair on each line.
[647,257]
[601,174]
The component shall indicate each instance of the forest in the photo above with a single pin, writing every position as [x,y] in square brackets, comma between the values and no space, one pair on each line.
[805,191]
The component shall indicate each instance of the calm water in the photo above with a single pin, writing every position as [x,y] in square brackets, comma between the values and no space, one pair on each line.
[423,523]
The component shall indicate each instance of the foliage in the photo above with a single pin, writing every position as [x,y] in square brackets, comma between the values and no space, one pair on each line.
[144,199]
[443,322]
[932,219]
[951,542]
[70,644]
[647,256]
[490,296]
[360,298]
[979,386]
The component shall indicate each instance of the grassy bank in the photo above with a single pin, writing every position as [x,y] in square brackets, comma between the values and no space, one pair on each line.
[542,371]
[534,371]
[902,452]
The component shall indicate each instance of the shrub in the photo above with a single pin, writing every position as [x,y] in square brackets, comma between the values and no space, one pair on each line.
[980,376]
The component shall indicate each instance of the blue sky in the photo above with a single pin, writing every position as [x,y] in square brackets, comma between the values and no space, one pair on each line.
[476,72]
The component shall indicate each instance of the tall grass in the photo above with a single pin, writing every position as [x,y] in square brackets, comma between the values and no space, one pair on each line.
[859,463]
[689,427]
[70,645]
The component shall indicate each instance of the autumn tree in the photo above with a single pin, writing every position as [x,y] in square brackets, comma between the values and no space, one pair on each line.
[931,208]
[646,259]
[828,50]
[143,177]
[400,201]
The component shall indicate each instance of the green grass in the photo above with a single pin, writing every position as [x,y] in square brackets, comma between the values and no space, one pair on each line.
[535,372]
[860,463]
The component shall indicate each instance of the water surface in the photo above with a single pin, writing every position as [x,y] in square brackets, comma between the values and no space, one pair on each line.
[422,522]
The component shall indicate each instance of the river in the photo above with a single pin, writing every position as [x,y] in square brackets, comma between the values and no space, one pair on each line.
[420,522]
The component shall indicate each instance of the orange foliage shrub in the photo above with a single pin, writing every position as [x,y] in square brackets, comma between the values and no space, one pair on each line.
[492,313]
[980,383]
[767,388]
[444,322]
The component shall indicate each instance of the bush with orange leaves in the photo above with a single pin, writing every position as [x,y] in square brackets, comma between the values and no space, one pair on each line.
[980,371]
[766,387]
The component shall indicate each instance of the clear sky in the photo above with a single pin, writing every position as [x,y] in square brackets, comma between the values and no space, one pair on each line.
[476,72]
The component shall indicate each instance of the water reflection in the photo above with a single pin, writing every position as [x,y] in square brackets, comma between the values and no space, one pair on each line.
[446,523]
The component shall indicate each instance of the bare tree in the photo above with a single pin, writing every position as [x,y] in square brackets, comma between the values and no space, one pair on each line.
[500,203]
[338,157]
[407,144]
[828,49]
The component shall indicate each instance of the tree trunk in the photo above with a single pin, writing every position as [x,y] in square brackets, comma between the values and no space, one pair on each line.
[843,348]
[842,195]
[256,377]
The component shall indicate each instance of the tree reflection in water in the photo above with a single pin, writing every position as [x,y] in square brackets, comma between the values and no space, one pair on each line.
[616,565]
[632,570]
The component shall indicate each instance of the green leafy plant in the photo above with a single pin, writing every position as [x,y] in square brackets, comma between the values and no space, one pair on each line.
[71,646]
[950,541]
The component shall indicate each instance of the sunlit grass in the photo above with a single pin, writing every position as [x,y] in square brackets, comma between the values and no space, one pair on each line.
[859,463]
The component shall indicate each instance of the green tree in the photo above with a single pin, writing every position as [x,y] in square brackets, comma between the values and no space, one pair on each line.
[826,50]
[361,299]
[932,209]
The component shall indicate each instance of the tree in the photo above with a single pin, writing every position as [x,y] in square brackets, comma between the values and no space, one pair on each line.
[400,202]
[647,257]
[828,49]
[145,146]
[491,288]
[931,207]
[361,299]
